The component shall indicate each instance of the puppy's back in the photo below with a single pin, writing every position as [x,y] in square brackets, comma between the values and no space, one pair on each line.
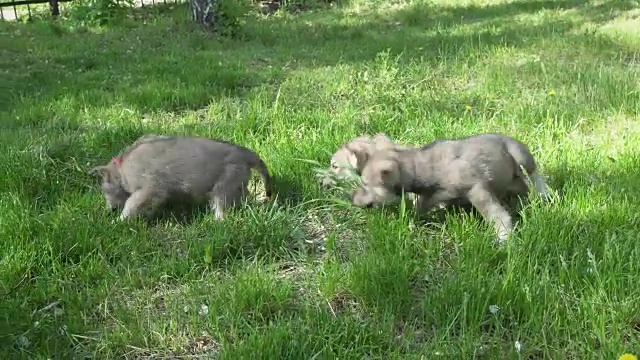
[179,163]
[466,161]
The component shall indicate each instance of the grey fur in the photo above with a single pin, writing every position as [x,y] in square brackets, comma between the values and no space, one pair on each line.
[480,169]
[159,168]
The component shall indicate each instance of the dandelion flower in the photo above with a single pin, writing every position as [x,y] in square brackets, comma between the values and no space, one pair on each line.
[467,107]
[628,357]
[493,309]
[204,309]
[552,93]
[24,342]
[518,346]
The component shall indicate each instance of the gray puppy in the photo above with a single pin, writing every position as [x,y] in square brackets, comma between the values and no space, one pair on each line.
[156,169]
[480,169]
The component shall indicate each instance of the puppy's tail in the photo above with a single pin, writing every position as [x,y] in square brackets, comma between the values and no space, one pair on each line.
[256,163]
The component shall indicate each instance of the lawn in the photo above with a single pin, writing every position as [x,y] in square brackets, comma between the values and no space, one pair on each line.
[306,275]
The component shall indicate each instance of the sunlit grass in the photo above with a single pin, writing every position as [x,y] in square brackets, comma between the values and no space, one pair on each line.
[305,275]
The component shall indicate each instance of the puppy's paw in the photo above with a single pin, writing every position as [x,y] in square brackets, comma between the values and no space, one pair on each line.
[502,237]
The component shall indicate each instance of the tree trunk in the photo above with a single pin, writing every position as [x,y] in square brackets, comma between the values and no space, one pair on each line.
[202,12]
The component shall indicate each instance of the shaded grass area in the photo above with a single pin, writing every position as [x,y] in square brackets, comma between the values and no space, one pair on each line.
[303,276]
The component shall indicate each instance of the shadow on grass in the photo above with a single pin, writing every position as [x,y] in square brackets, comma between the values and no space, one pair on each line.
[440,32]
[454,14]
[169,65]
[289,190]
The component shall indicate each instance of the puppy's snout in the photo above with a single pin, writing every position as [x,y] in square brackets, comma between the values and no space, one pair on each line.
[326,182]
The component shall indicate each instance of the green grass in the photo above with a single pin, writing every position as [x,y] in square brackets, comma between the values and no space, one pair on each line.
[302,277]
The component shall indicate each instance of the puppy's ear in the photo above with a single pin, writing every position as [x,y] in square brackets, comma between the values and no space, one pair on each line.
[102,170]
[361,150]
[94,170]
[382,141]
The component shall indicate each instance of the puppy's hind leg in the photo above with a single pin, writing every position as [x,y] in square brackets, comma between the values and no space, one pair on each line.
[491,209]
[229,191]
[224,198]
[144,201]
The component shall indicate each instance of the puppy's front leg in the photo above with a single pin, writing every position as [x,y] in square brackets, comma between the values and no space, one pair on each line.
[425,203]
[491,209]
[145,201]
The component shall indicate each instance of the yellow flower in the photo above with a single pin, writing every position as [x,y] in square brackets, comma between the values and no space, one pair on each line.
[552,93]
[628,357]
[467,107]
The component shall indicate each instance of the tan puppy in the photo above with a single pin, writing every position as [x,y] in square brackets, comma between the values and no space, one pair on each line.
[349,160]
[156,169]
[481,170]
